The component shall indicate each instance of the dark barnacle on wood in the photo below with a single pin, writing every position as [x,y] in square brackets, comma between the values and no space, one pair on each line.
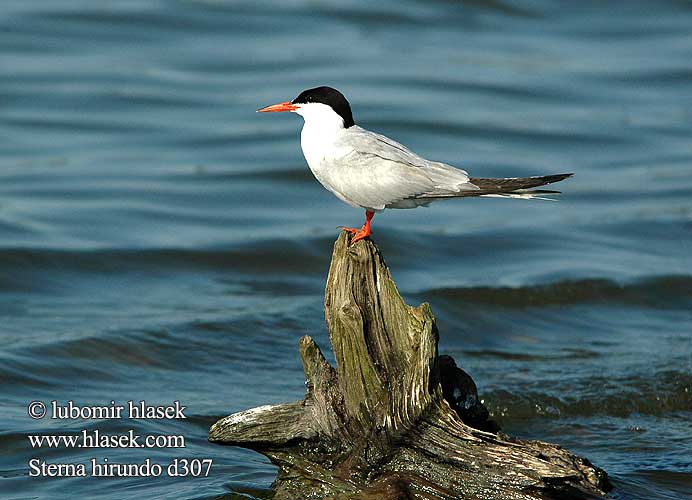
[392,419]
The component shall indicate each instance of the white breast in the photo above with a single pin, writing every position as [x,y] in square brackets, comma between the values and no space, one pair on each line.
[318,146]
[318,140]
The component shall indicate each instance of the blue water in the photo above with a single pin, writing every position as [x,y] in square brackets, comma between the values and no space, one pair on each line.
[160,241]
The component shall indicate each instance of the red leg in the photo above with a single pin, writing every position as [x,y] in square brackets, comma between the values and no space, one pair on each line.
[365,230]
[354,230]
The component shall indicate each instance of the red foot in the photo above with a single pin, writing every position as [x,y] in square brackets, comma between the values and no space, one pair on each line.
[358,234]
[363,232]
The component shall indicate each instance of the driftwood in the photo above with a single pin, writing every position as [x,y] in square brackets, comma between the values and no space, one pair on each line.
[393,419]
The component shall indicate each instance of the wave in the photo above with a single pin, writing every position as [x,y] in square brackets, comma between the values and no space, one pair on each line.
[656,291]
[660,394]
[266,257]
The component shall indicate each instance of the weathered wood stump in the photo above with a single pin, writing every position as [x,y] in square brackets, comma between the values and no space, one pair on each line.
[393,420]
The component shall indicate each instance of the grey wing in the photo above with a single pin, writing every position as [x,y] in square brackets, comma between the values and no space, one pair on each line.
[377,172]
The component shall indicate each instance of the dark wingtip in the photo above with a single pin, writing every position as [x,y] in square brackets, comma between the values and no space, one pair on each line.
[509,185]
[557,177]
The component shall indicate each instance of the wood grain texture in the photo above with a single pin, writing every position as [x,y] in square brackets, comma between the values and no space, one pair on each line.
[378,424]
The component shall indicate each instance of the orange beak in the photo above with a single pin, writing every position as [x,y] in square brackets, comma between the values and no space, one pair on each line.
[277,108]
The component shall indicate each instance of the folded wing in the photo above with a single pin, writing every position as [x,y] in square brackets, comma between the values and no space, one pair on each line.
[375,172]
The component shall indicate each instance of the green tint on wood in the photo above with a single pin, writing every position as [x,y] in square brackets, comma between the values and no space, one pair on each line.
[377,426]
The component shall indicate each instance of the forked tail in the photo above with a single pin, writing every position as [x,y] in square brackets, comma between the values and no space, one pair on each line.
[511,184]
[508,187]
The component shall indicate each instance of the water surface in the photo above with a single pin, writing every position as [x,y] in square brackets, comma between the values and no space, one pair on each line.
[161,241]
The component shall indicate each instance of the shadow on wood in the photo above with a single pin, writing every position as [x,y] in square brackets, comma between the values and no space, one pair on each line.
[393,419]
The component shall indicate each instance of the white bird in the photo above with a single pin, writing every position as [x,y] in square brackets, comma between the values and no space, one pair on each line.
[373,172]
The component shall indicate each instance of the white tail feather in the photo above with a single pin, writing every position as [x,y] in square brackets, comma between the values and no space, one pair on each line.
[521,196]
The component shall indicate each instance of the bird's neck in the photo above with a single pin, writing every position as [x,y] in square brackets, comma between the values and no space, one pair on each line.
[322,130]
[319,120]
[317,140]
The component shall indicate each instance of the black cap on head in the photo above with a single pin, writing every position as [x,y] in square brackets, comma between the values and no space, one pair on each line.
[330,97]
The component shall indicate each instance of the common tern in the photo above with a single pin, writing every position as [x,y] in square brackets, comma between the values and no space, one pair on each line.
[373,172]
